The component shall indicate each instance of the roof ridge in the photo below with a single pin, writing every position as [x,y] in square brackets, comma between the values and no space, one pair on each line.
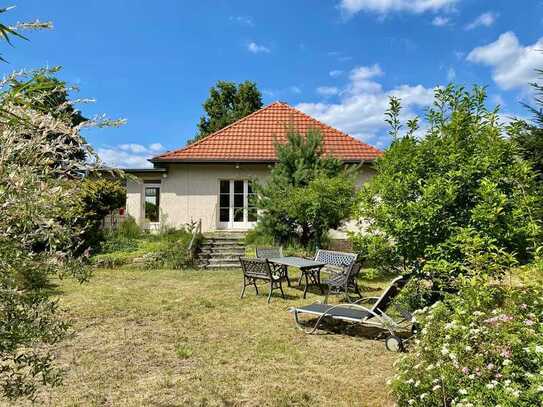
[215,133]
[330,127]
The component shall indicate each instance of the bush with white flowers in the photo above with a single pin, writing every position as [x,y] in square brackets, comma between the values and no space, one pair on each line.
[483,347]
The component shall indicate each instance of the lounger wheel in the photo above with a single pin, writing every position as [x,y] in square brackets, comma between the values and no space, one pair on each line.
[394,343]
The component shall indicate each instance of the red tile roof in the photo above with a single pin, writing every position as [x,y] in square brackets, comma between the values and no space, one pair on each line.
[252,139]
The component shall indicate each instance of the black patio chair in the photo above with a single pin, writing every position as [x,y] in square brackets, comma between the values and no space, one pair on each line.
[259,269]
[271,253]
[335,261]
[343,282]
[376,316]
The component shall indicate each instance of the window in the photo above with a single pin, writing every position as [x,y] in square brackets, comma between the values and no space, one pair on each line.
[224,201]
[251,198]
[152,203]
[238,201]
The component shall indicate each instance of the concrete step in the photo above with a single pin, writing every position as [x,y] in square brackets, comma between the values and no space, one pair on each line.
[220,266]
[222,249]
[223,241]
[208,256]
[221,245]
[225,237]
[215,260]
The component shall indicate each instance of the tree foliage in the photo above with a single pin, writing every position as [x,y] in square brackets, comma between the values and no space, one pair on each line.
[227,103]
[459,188]
[40,157]
[307,193]
[529,136]
[96,198]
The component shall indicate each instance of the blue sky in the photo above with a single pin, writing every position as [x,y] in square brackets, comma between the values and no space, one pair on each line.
[153,63]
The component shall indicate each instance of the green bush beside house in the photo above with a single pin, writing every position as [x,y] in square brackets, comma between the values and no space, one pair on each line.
[129,246]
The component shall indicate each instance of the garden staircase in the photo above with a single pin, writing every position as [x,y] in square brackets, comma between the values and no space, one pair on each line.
[220,250]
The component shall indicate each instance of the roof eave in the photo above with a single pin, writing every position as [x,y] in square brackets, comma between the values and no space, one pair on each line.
[209,160]
[239,160]
[141,170]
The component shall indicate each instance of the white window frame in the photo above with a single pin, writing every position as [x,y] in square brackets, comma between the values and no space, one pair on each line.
[231,224]
[152,185]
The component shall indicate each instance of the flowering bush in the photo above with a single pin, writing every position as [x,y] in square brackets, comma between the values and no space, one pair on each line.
[483,347]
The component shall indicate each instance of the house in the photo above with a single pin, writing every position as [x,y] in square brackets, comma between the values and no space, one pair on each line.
[210,180]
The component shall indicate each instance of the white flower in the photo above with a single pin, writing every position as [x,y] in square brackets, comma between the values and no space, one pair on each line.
[538,349]
[469,348]
[410,401]
[436,387]
[506,362]
[423,396]
[463,392]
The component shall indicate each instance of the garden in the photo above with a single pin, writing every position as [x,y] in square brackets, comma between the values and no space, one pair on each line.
[94,317]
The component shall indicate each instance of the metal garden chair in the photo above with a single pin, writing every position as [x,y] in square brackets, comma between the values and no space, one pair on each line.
[259,269]
[273,253]
[336,262]
[343,282]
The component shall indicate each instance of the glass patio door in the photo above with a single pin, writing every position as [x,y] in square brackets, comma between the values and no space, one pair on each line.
[236,206]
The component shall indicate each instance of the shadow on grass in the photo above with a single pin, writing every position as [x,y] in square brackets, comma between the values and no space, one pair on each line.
[51,289]
[334,327]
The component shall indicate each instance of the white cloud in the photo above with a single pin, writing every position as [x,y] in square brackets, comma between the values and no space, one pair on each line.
[257,49]
[243,20]
[327,90]
[156,147]
[513,65]
[385,6]
[133,148]
[440,21]
[484,20]
[129,155]
[335,73]
[363,102]
[451,74]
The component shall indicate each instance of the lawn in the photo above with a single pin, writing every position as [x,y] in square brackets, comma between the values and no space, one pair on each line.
[172,338]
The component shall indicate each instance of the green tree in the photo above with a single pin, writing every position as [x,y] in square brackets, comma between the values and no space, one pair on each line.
[39,232]
[460,186]
[49,95]
[307,193]
[96,198]
[228,102]
[529,136]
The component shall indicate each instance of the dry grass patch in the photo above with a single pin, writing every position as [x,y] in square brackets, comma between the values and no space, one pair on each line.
[176,338]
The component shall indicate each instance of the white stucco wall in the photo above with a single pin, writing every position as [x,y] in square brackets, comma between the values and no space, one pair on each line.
[190,191]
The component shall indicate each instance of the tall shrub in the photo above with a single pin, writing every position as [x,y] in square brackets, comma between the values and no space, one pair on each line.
[307,194]
[41,154]
[97,197]
[461,182]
